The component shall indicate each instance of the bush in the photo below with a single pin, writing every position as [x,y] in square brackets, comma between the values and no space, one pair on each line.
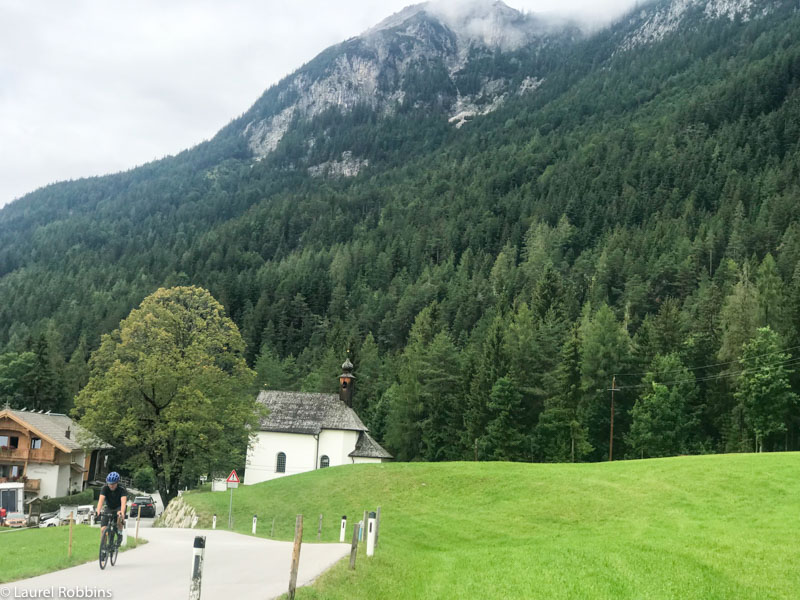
[52,504]
[144,479]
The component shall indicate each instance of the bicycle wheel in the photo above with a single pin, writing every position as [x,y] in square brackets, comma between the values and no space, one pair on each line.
[104,549]
[116,538]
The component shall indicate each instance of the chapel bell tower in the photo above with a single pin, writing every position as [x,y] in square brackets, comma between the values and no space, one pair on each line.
[346,383]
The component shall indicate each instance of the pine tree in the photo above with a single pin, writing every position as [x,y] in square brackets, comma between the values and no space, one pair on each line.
[559,436]
[506,437]
[739,318]
[661,419]
[76,374]
[605,350]
[492,364]
[771,296]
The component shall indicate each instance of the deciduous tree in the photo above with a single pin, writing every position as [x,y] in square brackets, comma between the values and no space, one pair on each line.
[171,382]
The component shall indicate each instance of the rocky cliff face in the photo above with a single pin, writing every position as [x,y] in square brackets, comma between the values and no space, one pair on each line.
[378,70]
[452,49]
[656,21]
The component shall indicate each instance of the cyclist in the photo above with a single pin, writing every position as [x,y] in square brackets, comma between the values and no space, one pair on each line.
[115,497]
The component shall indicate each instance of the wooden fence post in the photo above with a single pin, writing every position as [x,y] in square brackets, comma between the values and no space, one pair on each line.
[69,552]
[377,526]
[363,535]
[298,540]
[354,547]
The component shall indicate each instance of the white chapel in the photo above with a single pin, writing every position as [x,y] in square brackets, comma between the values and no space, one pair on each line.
[305,431]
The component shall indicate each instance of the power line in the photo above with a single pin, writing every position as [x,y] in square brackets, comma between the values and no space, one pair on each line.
[719,364]
[723,375]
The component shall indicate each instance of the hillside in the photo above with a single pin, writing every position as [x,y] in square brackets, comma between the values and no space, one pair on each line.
[616,203]
[689,527]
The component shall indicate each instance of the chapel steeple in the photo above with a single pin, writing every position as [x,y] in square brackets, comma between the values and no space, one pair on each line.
[347,383]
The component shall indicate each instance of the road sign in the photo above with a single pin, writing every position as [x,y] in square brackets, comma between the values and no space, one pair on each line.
[233,477]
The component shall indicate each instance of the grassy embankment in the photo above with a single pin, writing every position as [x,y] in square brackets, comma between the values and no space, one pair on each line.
[691,527]
[34,552]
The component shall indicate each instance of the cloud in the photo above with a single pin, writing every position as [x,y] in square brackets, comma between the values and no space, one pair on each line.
[90,87]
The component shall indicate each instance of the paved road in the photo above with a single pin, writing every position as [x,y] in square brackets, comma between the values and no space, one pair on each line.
[236,566]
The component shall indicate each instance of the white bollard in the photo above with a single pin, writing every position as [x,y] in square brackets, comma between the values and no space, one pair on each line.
[198,551]
[371,535]
[214,522]
[344,526]
[255,520]
[91,519]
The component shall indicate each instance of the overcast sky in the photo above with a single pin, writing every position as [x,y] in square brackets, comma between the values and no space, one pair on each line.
[89,87]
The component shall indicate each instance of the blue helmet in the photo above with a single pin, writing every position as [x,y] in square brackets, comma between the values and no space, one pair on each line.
[112,477]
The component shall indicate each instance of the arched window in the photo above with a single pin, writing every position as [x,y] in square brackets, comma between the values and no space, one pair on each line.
[281,466]
[324,461]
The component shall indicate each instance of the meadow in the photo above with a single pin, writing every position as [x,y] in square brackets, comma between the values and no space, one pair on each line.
[30,552]
[722,526]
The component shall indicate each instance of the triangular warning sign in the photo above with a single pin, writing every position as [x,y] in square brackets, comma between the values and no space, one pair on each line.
[233,477]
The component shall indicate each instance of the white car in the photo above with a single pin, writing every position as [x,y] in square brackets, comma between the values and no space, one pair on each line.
[50,522]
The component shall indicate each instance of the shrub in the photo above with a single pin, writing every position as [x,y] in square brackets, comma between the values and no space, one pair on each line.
[52,504]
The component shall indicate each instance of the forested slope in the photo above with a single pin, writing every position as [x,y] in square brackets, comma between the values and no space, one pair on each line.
[635,216]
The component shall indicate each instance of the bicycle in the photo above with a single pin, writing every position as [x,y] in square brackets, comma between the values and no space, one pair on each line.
[110,542]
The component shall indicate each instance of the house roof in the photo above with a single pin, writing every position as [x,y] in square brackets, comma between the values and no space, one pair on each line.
[302,412]
[366,447]
[54,427]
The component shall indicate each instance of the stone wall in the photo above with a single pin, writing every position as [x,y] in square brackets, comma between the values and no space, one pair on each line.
[177,514]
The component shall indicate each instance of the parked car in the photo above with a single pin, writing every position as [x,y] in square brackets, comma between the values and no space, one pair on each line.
[16,519]
[49,520]
[147,504]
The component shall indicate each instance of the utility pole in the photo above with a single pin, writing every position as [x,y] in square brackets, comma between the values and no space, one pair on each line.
[611,435]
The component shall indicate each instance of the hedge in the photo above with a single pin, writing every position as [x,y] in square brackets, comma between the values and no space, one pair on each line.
[52,504]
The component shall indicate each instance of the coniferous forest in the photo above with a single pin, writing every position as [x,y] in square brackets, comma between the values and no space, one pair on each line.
[633,224]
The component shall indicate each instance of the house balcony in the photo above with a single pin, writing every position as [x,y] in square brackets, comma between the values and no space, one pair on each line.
[43,455]
[14,454]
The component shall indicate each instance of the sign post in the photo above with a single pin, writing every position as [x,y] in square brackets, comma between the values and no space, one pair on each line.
[233,482]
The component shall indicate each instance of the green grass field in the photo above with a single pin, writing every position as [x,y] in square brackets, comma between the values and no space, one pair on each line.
[691,527]
[34,552]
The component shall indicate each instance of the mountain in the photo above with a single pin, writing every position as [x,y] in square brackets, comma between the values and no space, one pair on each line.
[428,55]
[535,205]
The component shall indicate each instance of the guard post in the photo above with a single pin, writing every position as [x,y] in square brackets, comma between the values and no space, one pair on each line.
[198,550]
[371,534]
